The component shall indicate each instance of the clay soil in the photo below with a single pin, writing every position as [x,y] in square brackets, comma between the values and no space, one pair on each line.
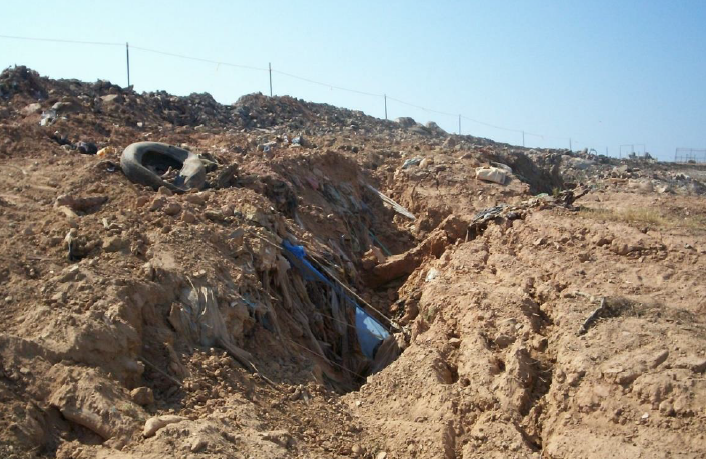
[137,323]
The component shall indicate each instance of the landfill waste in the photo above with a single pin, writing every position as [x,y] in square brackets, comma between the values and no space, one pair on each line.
[411,162]
[281,305]
[398,208]
[87,148]
[106,151]
[502,166]
[492,174]
[147,163]
[48,117]
[370,332]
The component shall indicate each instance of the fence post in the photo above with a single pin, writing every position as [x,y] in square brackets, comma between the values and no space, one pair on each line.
[270,63]
[127,57]
[385,96]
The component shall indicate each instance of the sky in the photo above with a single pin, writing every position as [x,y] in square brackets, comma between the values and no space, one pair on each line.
[616,76]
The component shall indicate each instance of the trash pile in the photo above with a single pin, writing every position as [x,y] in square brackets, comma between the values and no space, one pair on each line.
[636,174]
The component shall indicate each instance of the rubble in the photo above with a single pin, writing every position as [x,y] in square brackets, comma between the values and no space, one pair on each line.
[154,424]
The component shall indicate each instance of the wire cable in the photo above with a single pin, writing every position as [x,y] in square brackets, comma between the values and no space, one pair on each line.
[326,84]
[326,359]
[58,40]
[198,59]
[332,276]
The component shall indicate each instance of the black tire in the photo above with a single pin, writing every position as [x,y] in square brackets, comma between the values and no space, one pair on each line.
[137,156]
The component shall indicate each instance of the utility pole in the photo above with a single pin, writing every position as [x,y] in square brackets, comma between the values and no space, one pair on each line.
[385,96]
[459,124]
[570,149]
[127,56]
[270,63]
[523,139]
[606,151]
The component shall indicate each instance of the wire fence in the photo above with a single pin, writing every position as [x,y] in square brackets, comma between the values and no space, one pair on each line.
[568,142]
[690,156]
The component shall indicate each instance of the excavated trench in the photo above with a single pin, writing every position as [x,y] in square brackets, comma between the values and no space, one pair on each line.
[233,312]
[312,290]
[313,299]
[304,307]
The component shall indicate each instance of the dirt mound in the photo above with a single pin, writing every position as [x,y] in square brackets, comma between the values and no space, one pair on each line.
[503,368]
[340,286]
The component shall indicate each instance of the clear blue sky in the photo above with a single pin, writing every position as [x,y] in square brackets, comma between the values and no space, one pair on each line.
[604,73]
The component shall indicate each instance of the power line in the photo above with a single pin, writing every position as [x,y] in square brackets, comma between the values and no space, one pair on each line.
[422,108]
[57,40]
[198,59]
[326,84]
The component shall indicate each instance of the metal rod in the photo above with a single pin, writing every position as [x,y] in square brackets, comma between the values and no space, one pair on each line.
[270,63]
[459,124]
[385,96]
[127,56]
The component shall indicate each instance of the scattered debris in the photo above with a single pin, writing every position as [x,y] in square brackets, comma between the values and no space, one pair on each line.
[87,148]
[154,424]
[411,162]
[593,317]
[491,174]
[398,208]
[146,162]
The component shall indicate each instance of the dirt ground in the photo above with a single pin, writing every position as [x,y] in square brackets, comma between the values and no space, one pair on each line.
[145,324]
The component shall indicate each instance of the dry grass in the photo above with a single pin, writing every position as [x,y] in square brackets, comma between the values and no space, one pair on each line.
[645,216]
[696,222]
[630,216]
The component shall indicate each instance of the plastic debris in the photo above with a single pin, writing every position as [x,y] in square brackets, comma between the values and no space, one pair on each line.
[87,148]
[502,166]
[370,332]
[48,117]
[411,162]
[398,208]
[106,151]
[432,274]
[491,174]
